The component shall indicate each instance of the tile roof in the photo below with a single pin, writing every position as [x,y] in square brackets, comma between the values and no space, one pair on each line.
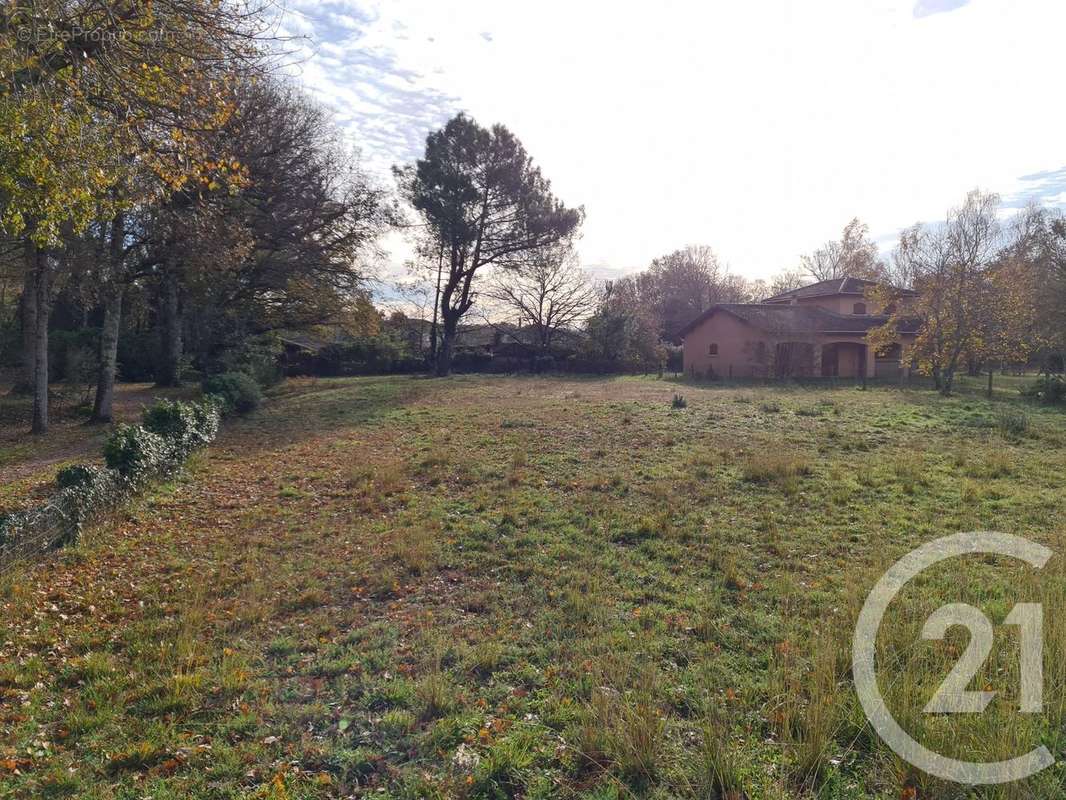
[797,319]
[835,286]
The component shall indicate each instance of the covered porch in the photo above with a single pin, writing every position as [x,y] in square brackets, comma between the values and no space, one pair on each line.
[846,359]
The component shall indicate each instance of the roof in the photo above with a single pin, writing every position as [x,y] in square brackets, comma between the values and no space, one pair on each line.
[302,341]
[846,285]
[799,319]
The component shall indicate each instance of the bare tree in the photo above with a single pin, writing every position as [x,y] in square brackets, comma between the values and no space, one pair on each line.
[681,285]
[854,256]
[785,281]
[549,294]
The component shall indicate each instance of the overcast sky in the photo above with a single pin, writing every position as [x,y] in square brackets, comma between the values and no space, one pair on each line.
[759,127]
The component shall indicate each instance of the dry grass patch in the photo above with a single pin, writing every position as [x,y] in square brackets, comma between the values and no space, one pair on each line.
[770,466]
[416,548]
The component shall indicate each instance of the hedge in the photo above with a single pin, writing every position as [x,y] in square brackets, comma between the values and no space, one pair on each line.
[135,455]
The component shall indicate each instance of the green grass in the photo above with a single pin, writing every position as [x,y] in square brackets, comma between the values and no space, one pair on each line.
[494,587]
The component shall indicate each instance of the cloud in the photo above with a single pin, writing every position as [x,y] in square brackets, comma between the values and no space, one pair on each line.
[926,8]
[351,64]
[1047,187]
[736,126]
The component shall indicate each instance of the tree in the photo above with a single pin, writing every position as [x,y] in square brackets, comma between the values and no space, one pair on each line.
[622,333]
[487,204]
[549,294]
[786,281]
[951,265]
[283,247]
[682,285]
[92,91]
[1032,265]
[854,256]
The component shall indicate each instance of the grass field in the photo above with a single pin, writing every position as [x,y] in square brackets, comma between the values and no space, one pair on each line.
[493,587]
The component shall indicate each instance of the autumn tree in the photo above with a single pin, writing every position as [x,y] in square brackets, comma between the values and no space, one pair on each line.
[91,92]
[951,264]
[487,204]
[285,247]
[1033,265]
[548,294]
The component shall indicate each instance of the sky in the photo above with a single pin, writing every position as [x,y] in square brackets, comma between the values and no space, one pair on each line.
[759,127]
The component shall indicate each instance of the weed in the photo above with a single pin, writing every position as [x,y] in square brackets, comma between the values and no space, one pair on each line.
[486,657]
[415,548]
[718,775]
[767,466]
[1012,423]
[909,469]
[397,722]
[678,402]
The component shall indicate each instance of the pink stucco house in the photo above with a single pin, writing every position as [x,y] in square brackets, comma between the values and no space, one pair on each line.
[814,331]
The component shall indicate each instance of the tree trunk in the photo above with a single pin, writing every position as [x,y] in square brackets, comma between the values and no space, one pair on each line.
[105,381]
[28,314]
[446,349]
[38,264]
[170,368]
[436,309]
[947,381]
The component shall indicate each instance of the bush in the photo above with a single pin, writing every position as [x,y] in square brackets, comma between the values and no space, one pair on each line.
[133,454]
[134,451]
[76,475]
[237,391]
[1050,389]
[72,355]
[138,354]
[186,426]
[366,355]
[259,357]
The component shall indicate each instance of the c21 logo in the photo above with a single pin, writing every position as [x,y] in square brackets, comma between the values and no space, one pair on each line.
[952,696]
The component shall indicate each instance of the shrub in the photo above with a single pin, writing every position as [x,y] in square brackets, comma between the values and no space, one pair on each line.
[186,426]
[133,454]
[132,450]
[258,357]
[368,355]
[1050,389]
[76,475]
[236,390]
[678,402]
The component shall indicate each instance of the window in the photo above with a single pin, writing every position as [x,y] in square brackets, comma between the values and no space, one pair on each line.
[859,308]
[714,349]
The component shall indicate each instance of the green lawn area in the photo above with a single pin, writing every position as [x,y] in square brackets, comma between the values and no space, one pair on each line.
[493,587]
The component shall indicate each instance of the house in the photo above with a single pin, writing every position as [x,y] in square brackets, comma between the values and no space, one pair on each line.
[814,331]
